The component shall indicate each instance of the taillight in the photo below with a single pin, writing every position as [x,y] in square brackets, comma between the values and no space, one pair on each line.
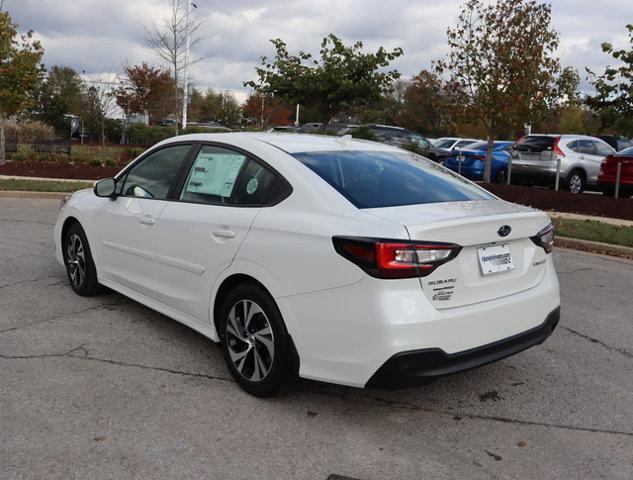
[545,238]
[395,258]
[556,149]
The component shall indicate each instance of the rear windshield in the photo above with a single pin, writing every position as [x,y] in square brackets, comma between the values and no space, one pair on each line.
[627,152]
[444,143]
[535,144]
[389,179]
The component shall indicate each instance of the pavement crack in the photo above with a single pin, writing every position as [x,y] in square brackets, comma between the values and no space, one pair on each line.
[30,281]
[623,351]
[365,399]
[74,353]
[63,315]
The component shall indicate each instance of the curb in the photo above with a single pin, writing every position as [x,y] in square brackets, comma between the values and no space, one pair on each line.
[595,247]
[574,216]
[42,195]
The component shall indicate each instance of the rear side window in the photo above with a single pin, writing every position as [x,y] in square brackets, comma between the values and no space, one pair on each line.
[254,185]
[536,144]
[586,146]
[213,175]
[387,179]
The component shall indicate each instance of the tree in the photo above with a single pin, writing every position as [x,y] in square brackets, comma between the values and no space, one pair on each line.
[147,89]
[20,72]
[502,56]
[98,104]
[267,110]
[614,89]
[429,105]
[343,78]
[171,42]
[210,106]
[60,95]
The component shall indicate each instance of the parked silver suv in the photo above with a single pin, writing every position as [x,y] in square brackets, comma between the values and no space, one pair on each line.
[534,159]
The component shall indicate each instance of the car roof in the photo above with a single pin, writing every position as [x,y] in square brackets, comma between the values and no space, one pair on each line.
[292,142]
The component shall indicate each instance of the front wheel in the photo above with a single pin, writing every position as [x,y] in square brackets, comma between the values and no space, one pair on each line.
[80,267]
[255,342]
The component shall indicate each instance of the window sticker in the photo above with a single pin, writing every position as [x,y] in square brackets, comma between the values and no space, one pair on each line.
[252,185]
[215,173]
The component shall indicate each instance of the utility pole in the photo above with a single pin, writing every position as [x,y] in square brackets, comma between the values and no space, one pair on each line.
[186,66]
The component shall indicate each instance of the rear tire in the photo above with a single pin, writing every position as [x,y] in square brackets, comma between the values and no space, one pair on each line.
[255,343]
[575,182]
[80,267]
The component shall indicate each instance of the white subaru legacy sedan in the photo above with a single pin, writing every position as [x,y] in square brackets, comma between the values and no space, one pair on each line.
[329,258]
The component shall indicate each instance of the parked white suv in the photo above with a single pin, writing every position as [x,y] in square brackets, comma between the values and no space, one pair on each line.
[335,259]
[535,157]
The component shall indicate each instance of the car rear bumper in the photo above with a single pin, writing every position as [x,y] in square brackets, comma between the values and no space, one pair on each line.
[419,367]
[345,335]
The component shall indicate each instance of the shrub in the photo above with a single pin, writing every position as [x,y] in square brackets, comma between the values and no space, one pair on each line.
[95,162]
[113,130]
[412,147]
[111,163]
[145,136]
[29,132]
[20,156]
[364,133]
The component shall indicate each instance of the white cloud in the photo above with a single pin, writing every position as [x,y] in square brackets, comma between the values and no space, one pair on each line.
[100,35]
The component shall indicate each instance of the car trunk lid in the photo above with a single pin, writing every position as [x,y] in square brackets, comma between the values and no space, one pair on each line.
[475,225]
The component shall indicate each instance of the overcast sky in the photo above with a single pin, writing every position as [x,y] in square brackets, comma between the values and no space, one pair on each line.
[98,36]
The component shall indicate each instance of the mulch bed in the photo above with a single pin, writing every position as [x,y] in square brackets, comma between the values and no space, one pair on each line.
[58,170]
[583,204]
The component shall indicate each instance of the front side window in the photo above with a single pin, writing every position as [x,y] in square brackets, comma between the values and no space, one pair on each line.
[603,149]
[213,175]
[156,174]
[387,179]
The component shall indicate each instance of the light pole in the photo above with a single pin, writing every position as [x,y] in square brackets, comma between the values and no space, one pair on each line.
[186,65]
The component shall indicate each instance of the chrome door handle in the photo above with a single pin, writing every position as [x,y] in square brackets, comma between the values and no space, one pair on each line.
[224,233]
[147,220]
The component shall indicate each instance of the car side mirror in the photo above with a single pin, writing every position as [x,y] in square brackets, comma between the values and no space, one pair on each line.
[105,188]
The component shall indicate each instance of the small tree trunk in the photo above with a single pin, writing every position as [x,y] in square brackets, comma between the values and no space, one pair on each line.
[103,137]
[489,148]
[2,142]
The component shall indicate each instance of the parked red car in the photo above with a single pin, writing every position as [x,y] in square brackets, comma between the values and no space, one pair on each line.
[609,168]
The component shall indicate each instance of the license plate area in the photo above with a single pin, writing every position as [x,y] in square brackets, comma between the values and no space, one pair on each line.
[495,259]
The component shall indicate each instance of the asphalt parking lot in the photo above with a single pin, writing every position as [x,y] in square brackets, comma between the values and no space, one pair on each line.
[97,388]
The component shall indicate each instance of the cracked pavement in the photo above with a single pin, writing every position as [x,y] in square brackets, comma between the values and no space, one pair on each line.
[102,387]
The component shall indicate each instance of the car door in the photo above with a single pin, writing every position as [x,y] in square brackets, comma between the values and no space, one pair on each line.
[200,232]
[603,150]
[126,226]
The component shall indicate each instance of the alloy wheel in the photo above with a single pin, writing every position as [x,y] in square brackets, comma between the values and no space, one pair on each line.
[250,341]
[76,259]
[575,183]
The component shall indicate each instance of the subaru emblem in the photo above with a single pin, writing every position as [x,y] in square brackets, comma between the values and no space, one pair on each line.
[504,231]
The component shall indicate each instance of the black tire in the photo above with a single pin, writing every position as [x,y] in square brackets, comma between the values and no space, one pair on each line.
[281,367]
[80,267]
[575,182]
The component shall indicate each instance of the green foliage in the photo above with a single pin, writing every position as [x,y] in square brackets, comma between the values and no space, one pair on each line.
[60,96]
[42,186]
[364,133]
[516,77]
[343,78]
[212,106]
[146,136]
[594,231]
[113,130]
[111,163]
[412,147]
[614,89]
[20,68]
[94,162]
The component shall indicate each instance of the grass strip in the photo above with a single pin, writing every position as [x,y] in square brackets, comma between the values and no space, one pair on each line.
[594,231]
[42,185]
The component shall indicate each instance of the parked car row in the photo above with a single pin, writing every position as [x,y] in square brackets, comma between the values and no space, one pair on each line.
[580,162]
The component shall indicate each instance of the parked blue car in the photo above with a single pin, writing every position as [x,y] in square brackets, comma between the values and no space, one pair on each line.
[474,157]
